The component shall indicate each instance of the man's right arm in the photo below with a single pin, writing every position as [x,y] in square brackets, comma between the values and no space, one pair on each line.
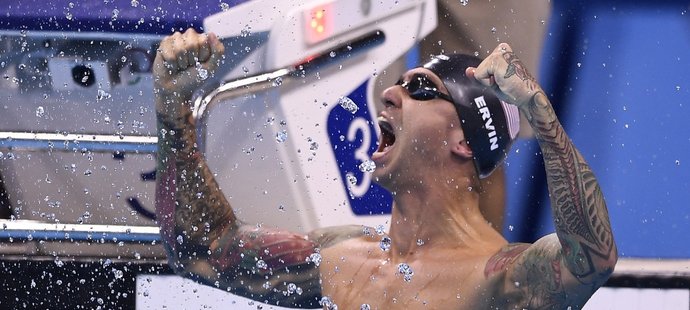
[204,239]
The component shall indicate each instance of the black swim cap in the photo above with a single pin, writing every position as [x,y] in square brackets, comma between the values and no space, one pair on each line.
[490,125]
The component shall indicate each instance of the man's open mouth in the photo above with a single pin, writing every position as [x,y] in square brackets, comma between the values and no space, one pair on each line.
[387,135]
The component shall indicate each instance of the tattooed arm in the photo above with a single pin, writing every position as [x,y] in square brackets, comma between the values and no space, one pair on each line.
[566,268]
[204,239]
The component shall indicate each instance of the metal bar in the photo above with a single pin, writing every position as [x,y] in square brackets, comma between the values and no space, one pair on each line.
[25,230]
[239,87]
[77,142]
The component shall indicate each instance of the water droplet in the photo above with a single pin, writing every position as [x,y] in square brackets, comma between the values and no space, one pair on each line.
[517,284]
[82,281]
[420,242]
[266,285]
[107,262]
[291,288]
[134,3]
[246,31]
[245,69]
[493,29]
[88,172]
[201,73]
[476,54]
[118,273]
[224,6]
[348,104]
[385,244]
[180,239]
[58,262]
[277,82]
[367,166]
[69,15]
[380,230]
[406,271]
[281,208]
[313,146]
[677,162]
[511,227]
[464,2]
[677,87]
[40,111]
[579,64]
[332,54]
[351,179]
[99,301]
[102,95]
[281,136]
[365,307]
[327,303]
[314,258]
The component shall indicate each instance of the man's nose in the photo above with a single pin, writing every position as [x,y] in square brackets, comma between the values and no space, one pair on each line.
[392,96]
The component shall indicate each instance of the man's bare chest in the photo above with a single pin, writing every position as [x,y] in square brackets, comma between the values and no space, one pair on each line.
[381,284]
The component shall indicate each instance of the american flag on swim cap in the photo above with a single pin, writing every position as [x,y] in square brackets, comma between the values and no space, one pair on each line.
[512,118]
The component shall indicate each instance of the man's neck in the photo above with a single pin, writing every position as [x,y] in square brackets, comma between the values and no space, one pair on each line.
[438,215]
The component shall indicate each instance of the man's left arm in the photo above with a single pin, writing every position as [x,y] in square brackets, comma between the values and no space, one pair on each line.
[571,265]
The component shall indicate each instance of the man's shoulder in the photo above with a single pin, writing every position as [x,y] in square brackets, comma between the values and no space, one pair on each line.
[500,261]
[327,237]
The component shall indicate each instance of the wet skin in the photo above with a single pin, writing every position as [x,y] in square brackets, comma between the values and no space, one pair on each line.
[459,261]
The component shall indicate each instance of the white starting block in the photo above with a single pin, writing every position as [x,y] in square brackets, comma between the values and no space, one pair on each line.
[77,132]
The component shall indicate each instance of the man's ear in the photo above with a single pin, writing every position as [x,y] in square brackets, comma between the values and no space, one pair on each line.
[462,149]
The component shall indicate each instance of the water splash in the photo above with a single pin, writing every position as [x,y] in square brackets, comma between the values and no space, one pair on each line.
[314,258]
[380,230]
[385,244]
[406,271]
[327,303]
[40,111]
[348,104]
[277,82]
[102,95]
[367,166]
[291,288]
[281,136]
[201,73]
[351,179]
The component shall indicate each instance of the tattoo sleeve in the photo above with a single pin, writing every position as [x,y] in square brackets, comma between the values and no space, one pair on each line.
[580,214]
[207,243]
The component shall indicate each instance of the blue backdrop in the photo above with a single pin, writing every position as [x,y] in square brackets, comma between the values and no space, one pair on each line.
[618,73]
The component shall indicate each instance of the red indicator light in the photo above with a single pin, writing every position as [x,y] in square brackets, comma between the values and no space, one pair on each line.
[319,24]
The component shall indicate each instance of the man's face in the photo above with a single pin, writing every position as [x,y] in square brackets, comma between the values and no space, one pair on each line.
[418,128]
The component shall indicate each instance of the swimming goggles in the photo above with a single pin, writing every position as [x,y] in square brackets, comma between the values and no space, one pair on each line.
[420,87]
